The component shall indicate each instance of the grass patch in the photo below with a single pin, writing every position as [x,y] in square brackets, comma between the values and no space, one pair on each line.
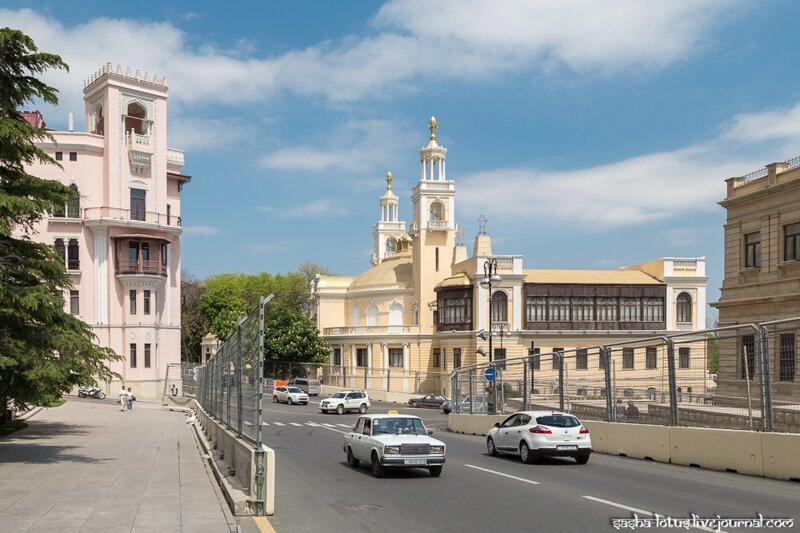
[11,427]
[54,403]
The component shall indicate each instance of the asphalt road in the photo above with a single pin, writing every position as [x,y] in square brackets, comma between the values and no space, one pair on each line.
[317,491]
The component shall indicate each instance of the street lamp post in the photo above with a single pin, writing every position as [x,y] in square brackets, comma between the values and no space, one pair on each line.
[490,276]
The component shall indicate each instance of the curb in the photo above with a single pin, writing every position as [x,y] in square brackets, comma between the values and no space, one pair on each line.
[29,413]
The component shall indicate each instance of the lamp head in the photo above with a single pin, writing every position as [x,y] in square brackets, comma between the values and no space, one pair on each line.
[480,351]
[481,335]
[485,282]
[496,278]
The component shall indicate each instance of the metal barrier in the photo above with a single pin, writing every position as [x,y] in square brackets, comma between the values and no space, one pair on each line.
[658,380]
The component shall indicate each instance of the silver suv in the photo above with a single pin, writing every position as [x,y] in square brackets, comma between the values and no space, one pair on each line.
[311,387]
[344,401]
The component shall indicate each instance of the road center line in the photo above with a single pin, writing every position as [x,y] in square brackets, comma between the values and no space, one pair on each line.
[504,475]
[332,429]
[643,512]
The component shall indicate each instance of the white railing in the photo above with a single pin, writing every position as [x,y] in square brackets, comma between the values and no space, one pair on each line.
[438,224]
[175,156]
[369,330]
[504,261]
[685,263]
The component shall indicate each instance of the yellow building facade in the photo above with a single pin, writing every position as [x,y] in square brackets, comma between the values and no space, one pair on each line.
[412,318]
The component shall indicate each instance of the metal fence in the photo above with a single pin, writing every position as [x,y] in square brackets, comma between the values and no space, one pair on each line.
[394,379]
[659,380]
[229,384]
[182,376]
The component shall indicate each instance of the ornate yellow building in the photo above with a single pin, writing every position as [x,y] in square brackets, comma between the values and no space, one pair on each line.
[412,318]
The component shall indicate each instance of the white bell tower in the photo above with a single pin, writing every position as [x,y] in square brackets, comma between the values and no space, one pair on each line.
[388,230]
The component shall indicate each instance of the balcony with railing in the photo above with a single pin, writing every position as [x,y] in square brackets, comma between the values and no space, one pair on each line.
[175,157]
[131,216]
[153,268]
[371,330]
[438,225]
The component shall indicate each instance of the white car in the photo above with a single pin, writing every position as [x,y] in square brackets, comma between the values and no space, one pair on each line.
[289,395]
[393,441]
[344,401]
[534,434]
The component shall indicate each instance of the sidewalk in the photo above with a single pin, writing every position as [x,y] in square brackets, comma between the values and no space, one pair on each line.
[87,466]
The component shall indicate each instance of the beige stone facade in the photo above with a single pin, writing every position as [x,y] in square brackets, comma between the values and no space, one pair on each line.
[411,319]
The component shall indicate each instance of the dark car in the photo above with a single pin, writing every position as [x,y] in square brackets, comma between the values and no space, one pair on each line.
[446,409]
[431,400]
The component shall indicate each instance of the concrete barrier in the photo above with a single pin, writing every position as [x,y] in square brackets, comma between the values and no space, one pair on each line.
[597,431]
[779,451]
[473,424]
[642,441]
[717,449]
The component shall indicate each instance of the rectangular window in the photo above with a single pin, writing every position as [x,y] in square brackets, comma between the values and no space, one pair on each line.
[437,358]
[396,357]
[132,297]
[558,309]
[147,355]
[169,215]
[582,309]
[653,309]
[629,309]
[582,359]
[73,156]
[361,356]
[651,357]
[791,242]
[627,358]
[556,358]
[788,359]
[138,205]
[74,303]
[146,302]
[454,311]
[536,359]
[748,357]
[337,356]
[73,255]
[59,156]
[535,309]
[456,357]
[500,357]
[132,355]
[607,309]
[752,250]
[683,357]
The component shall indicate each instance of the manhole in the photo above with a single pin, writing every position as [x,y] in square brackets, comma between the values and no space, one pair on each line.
[363,507]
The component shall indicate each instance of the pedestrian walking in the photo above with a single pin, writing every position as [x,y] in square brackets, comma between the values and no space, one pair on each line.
[174,390]
[123,398]
[131,397]
[620,409]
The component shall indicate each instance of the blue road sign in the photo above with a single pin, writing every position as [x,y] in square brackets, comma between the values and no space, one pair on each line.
[489,374]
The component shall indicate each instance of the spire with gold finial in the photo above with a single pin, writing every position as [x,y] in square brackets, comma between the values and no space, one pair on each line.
[432,126]
[388,181]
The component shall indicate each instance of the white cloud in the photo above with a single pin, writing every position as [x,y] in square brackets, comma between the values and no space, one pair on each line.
[195,133]
[414,41]
[316,208]
[201,230]
[778,124]
[690,235]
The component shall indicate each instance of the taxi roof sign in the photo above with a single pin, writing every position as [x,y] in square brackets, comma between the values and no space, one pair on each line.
[393,412]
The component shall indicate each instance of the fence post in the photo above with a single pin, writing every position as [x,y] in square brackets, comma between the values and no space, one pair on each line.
[766,382]
[471,389]
[388,379]
[525,382]
[673,384]
[227,379]
[605,354]
[239,413]
[259,383]
[560,356]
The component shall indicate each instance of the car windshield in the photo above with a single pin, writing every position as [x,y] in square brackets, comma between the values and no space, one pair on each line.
[558,421]
[398,426]
[338,395]
[294,389]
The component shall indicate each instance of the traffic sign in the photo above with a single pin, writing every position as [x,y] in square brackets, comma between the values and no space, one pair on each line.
[489,374]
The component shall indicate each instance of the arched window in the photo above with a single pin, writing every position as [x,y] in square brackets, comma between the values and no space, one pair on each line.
[437,211]
[355,316]
[61,249]
[99,120]
[372,315]
[499,307]
[391,246]
[73,259]
[395,314]
[74,203]
[684,308]
[136,118]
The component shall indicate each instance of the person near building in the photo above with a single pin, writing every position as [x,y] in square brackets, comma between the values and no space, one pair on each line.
[123,399]
[131,397]
[632,412]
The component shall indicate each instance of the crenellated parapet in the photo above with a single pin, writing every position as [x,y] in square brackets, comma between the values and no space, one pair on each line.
[127,73]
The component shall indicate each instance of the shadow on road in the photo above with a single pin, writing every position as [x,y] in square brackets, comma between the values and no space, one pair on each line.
[28,453]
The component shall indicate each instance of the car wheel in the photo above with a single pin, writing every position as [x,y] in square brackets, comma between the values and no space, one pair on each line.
[490,447]
[413,404]
[378,470]
[289,400]
[340,409]
[363,408]
[435,470]
[274,399]
[305,403]
[525,453]
[582,459]
[323,411]
[351,460]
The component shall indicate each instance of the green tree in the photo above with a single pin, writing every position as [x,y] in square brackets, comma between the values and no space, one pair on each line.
[44,351]
[194,324]
[309,271]
[290,336]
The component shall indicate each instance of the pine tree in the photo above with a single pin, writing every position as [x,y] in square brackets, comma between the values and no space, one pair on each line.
[44,351]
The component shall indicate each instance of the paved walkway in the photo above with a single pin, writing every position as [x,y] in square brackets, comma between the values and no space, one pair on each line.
[87,466]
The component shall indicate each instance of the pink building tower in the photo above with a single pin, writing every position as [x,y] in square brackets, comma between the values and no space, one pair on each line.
[121,239]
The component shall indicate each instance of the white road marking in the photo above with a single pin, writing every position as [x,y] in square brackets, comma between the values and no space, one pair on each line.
[502,474]
[344,425]
[328,425]
[296,424]
[262,423]
[333,429]
[246,423]
[643,512]
[279,423]
[312,424]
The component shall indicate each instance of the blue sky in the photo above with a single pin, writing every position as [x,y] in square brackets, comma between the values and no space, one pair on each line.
[592,134]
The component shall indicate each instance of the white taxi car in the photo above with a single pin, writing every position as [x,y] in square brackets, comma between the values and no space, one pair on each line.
[534,434]
[393,441]
[289,395]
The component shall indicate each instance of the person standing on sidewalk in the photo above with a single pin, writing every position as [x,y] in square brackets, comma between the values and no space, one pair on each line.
[130,399]
[123,399]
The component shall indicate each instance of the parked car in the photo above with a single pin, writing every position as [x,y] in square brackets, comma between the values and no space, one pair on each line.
[312,387]
[289,395]
[479,404]
[393,441]
[431,400]
[445,407]
[345,401]
[535,434]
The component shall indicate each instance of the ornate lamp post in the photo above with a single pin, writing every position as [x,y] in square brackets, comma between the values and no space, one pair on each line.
[490,276]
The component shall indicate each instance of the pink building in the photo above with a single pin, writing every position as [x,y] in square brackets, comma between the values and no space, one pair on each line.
[121,239]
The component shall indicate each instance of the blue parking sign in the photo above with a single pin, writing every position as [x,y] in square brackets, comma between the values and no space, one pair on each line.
[489,374]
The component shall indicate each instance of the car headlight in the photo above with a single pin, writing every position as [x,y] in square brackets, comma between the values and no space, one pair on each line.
[391,449]
[437,449]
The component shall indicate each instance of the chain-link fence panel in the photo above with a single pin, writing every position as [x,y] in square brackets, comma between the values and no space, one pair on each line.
[781,339]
